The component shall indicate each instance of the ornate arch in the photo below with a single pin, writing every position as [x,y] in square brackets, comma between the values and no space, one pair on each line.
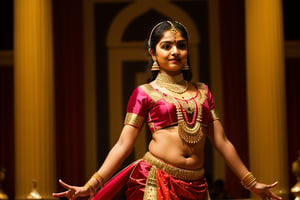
[134,10]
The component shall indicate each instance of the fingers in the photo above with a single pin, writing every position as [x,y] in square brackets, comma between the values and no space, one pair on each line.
[59,194]
[273,184]
[270,195]
[269,186]
[65,185]
[274,196]
[70,193]
[264,191]
[62,194]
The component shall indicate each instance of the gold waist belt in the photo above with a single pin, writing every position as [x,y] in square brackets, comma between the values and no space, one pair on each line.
[185,174]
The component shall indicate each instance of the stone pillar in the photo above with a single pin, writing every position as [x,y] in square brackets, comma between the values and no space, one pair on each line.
[34,98]
[266,93]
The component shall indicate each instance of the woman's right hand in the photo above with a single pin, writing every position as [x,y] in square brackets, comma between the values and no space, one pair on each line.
[72,192]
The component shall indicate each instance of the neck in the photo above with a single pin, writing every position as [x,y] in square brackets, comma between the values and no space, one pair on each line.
[168,78]
[175,83]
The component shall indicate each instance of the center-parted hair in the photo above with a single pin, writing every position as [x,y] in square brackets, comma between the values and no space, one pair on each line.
[159,29]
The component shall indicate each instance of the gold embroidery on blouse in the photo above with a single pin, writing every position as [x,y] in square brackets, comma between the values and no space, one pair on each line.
[191,132]
[134,119]
[151,92]
[156,95]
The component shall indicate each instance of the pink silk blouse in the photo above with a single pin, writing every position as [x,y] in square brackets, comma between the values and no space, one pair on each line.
[147,104]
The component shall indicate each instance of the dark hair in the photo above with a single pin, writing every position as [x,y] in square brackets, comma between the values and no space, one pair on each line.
[155,36]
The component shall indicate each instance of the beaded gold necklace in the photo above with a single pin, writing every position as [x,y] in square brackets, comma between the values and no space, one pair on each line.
[175,83]
[188,111]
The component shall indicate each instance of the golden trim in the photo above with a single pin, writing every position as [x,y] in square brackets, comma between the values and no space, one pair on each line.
[156,96]
[176,172]
[151,186]
[214,115]
[151,92]
[134,119]
[203,90]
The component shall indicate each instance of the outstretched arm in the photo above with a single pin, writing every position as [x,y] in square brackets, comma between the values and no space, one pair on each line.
[219,140]
[119,152]
[112,162]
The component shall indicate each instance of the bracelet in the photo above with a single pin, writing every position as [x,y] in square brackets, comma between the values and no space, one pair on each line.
[89,187]
[248,180]
[99,179]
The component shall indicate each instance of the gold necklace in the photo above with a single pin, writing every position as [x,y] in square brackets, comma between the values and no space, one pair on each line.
[175,83]
[189,130]
[189,113]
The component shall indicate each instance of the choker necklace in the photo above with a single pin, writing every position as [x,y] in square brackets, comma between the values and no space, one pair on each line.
[175,83]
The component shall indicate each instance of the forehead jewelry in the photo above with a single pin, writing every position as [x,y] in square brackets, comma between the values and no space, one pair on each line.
[173,30]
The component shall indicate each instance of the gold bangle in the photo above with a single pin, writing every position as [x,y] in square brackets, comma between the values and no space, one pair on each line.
[248,180]
[214,115]
[89,187]
[99,179]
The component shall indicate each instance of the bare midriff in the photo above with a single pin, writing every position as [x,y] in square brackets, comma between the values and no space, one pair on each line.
[167,145]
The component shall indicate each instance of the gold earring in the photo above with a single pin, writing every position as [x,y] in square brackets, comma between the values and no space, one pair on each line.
[185,67]
[155,66]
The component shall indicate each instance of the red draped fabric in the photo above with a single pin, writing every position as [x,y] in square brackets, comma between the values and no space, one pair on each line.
[176,189]
[134,177]
[111,188]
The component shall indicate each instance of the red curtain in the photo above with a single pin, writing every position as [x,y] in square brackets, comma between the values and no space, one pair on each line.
[69,86]
[293,110]
[233,63]
[7,139]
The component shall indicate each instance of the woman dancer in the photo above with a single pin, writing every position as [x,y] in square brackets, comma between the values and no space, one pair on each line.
[180,115]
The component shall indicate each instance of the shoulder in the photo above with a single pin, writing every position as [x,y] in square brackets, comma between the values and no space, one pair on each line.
[145,92]
[149,90]
[141,90]
[202,87]
[138,93]
[204,90]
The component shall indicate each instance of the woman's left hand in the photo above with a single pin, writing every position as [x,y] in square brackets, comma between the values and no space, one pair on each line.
[263,191]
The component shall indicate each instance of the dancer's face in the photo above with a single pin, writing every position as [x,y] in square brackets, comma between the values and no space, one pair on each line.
[171,52]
